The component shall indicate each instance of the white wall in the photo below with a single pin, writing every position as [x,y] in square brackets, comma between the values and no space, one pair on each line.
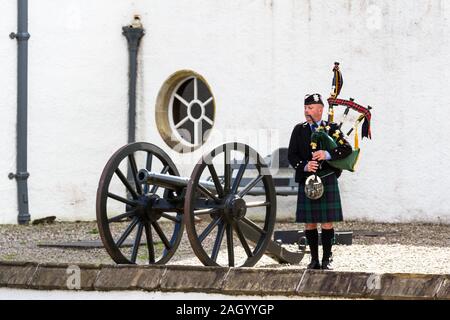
[8,102]
[260,58]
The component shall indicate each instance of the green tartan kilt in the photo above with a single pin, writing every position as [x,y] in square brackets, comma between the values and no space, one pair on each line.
[326,209]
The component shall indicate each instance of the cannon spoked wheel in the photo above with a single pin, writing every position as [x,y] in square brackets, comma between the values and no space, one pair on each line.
[227,211]
[133,231]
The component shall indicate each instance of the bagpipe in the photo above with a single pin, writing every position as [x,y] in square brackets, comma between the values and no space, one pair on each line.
[321,140]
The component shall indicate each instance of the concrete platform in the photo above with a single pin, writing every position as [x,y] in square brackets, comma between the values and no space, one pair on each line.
[232,281]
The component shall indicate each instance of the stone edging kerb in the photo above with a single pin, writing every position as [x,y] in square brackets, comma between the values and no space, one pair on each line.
[232,281]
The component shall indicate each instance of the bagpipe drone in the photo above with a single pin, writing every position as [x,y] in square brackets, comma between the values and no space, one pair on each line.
[321,140]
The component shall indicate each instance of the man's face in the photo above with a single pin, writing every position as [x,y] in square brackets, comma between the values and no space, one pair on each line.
[315,111]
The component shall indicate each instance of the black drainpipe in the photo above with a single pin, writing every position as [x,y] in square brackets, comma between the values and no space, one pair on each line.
[22,174]
[133,33]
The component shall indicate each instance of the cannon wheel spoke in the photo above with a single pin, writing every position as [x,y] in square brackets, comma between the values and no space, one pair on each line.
[227,169]
[171,218]
[161,235]
[216,180]
[148,166]
[254,226]
[126,183]
[243,241]
[257,204]
[200,212]
[137,242]
[209,228]
[122,216]
[250,186]
[121,232]
[150,246]
[208,193]
[230,245]
[148,161]
[239,175]
[134,172]
[218,241]
[121,199]
[127,232]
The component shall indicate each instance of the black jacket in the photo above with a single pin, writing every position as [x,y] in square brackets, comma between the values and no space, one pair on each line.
[300,151]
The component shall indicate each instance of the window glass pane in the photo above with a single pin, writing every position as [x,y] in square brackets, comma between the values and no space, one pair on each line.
[192,111]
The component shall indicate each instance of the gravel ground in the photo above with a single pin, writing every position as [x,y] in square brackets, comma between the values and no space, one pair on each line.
[411,248]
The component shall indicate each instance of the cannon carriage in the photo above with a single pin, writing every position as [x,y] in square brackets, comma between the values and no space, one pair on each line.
[227,205]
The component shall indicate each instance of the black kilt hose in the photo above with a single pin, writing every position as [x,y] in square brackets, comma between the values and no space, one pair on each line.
[326,209]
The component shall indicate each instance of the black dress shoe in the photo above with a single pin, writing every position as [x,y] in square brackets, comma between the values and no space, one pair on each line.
[314,265]
[326,264]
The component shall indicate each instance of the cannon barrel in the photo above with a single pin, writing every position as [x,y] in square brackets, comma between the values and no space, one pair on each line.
[170,182]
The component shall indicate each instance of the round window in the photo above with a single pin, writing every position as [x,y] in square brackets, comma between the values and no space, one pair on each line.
[185,111]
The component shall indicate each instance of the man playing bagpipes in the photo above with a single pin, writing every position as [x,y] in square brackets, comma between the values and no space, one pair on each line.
[318,151]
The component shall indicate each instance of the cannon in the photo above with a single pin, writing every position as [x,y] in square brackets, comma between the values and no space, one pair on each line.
[143,206]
